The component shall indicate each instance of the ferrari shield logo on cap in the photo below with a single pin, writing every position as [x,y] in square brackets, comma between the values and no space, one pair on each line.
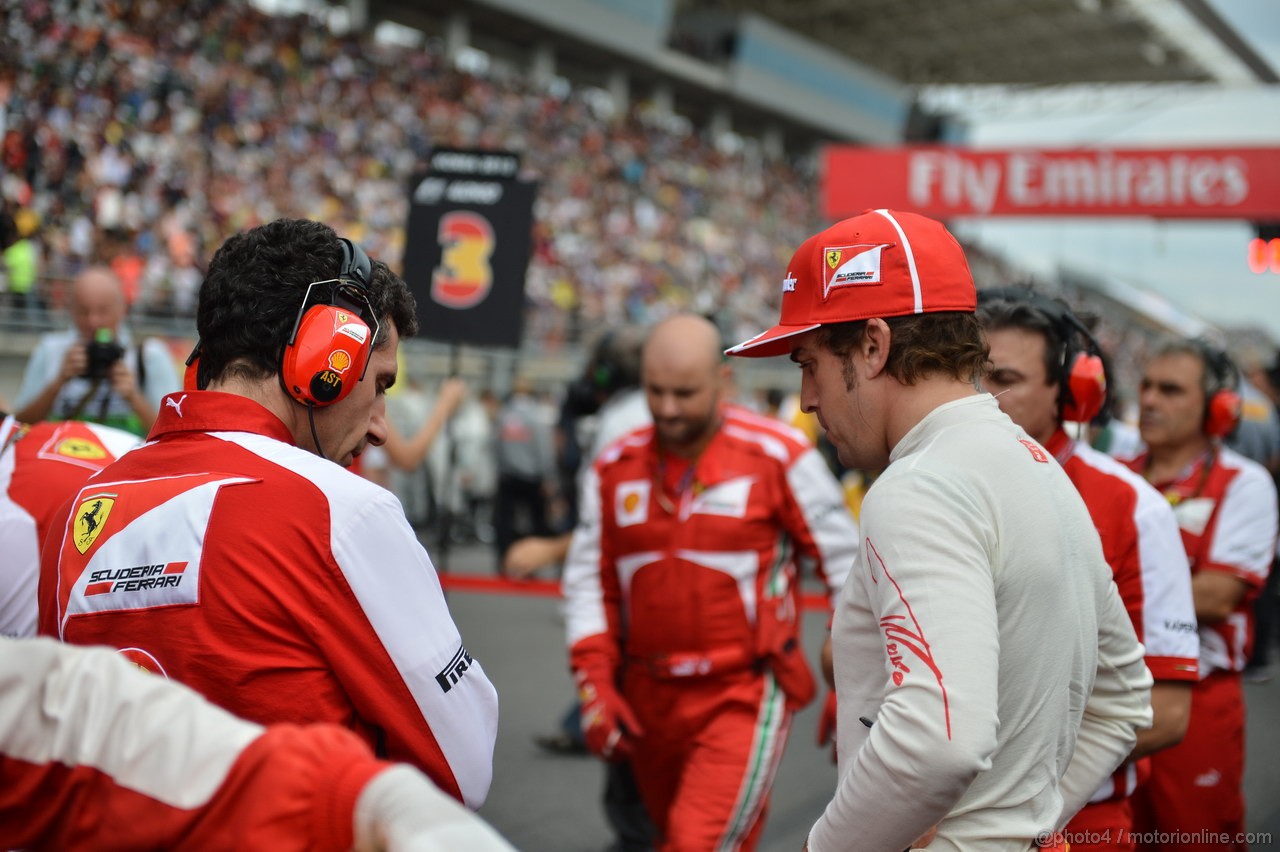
[852,266]
[91,517]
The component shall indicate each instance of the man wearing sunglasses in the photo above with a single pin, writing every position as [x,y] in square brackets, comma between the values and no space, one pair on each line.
[229,553]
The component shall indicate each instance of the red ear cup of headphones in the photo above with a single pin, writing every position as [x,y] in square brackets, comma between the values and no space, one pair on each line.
[1087,379]
[327,357]
[1222,413]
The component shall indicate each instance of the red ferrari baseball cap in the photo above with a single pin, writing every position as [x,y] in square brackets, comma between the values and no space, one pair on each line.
[883,263]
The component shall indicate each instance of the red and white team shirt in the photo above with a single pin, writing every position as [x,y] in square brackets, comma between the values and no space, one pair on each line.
[277,584]
[1141,544]
[673,559]
[1226,510]
[41,466]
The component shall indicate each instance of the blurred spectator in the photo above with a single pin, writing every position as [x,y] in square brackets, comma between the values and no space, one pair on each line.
[21,262]
[1264,375]
[94,371]
[526,469]
[1257,436]
[462,464]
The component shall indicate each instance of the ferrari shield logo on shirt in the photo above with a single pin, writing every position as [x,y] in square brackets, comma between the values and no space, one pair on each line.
[632,502]
[852,266]
[148,555]
[91,517]
[76,443]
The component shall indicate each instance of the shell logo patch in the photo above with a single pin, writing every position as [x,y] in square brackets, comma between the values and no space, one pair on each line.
[80,448]
[631,502]
[91,517]
[339,361]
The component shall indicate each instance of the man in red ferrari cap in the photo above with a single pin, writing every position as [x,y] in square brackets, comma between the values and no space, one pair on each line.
[988,679]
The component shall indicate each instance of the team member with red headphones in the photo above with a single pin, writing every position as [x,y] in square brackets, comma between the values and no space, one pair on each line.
[1047,369]
[1226,509]
[228,554]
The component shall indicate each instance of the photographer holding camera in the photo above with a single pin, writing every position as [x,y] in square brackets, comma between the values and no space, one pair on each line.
[93,371]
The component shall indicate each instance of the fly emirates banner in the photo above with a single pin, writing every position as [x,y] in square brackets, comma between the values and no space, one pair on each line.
[1204,183]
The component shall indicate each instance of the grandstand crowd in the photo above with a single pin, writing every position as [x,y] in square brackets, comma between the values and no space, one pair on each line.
[138,135]
[143,134]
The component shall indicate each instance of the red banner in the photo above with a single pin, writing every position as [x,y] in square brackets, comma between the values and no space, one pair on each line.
[1202,183]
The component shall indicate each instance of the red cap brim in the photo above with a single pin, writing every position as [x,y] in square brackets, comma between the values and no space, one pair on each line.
[770,343]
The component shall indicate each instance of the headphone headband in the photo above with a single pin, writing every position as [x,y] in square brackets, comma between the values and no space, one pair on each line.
[1218,364]
[356,267]
[1083,390]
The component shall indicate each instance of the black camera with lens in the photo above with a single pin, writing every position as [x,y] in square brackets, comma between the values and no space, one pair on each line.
[103,352]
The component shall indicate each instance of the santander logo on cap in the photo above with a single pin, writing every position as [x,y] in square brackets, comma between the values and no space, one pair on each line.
[883,263]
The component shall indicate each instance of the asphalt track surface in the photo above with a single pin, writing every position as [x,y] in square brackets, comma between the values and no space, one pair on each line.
[550,803]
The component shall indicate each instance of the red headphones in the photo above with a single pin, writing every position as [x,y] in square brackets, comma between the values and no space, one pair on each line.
[1087,386]
[328,350]
[332,338]
[1082,379]
[1222,402]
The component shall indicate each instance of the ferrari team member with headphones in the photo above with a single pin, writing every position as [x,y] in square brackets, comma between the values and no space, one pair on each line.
[1226,508]
[1046,368]
[230,554]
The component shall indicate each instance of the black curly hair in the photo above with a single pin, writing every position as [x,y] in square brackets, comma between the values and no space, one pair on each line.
[255,285]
